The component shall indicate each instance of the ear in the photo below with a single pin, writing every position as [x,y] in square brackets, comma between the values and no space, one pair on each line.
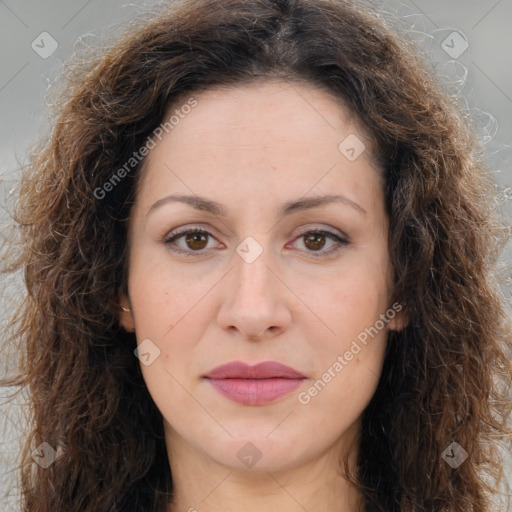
[398,317]
[125,313]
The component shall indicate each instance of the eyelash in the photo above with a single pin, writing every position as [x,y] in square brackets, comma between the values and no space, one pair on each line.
[179,233]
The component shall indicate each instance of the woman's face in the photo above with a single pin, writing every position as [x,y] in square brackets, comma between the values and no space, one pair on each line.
[247,168]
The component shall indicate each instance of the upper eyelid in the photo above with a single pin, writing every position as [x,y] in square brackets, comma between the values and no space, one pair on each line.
[339,233]
[186,229]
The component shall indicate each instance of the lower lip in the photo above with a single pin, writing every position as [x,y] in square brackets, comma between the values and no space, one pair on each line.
[255,391]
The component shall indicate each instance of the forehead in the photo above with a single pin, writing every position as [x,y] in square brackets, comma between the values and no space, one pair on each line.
[274,108]
[261,134]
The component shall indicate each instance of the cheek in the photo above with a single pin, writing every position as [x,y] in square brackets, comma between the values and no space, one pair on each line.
[352,298]
[162,298]
[169,312]
[173,311]
[351,303]
[350,361]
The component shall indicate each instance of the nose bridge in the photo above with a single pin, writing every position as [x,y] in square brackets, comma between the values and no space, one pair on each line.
[253,277]
[253,301]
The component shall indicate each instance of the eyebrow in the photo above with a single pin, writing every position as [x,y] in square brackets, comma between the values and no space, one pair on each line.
[209,206]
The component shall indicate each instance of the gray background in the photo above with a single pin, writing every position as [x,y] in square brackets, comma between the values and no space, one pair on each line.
[482,75]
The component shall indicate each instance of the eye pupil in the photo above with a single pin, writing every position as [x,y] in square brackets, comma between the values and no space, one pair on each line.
[196,238]
[317,239]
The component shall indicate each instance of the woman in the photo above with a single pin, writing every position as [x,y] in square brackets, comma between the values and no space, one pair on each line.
[258,252]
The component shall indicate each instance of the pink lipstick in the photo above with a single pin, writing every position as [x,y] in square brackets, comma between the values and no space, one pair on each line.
[254,385]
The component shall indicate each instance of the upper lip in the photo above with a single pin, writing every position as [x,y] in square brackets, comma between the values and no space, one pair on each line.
[264,370]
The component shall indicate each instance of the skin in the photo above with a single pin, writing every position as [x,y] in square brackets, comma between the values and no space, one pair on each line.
[253,148]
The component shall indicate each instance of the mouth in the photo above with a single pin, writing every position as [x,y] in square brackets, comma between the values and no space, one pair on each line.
[254,385]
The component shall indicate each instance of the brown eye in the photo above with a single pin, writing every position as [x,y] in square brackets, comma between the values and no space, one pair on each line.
[314,241]
[320,243]
[189,241]
[196,240]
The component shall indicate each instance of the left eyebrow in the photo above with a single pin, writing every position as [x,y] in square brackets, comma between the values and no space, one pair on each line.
[313,202]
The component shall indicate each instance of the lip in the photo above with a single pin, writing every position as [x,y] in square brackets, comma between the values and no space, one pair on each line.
[254,385]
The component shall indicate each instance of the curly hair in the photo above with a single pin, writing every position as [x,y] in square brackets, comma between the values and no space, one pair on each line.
[446,375]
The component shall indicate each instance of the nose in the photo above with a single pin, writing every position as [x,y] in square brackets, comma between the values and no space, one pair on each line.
[256,303]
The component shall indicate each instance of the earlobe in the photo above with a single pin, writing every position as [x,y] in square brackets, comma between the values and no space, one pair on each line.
[125,314]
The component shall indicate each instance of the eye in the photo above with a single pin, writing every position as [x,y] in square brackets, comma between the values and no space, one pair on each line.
[194,240]
[315,240]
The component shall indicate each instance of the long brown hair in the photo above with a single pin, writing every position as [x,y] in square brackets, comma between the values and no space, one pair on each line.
[446,375]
